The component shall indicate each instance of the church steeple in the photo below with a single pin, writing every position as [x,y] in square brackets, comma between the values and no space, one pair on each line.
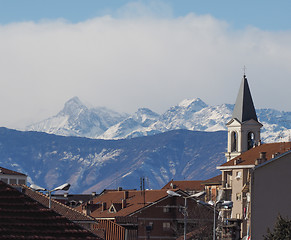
[244,109]
[243,128]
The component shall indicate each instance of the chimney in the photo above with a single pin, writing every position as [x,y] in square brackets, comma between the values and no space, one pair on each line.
[93,194]
[258,162]
[125,194]
[119,188]
[86,209]
[103,206]
[275,154]
[263,156]
[123,203]
[237,161]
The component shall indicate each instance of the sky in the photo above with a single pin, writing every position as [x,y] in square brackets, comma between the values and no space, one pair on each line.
[125,55]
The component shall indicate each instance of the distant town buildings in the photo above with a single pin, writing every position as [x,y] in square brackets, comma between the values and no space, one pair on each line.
[149,214]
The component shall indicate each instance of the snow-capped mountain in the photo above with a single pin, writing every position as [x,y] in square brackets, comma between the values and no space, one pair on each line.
[131,126]
[75,119]
[277,125]
[192,114]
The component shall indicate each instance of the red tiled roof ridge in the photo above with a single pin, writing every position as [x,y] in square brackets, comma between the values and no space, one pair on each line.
[186,180]
[134,201]
[59,203]
[215,179]
[185,184]
[132,191]
[39,222]
[8,171]
[249,157]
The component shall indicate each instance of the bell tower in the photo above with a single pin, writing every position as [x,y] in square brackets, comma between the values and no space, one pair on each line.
[244,127]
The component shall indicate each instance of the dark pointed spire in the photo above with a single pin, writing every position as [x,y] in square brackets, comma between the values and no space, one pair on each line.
[244,109]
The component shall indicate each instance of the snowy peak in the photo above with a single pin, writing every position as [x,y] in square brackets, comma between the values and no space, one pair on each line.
[73,107]
[75,119]
[145,116]
[132,126]
[195,104]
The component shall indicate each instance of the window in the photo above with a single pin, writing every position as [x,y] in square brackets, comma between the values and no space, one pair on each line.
[234,142]
[166,226]
[166,209]
[4,180]
[21,181]
[251,140]
[112,209]
[238,196]
[12,181]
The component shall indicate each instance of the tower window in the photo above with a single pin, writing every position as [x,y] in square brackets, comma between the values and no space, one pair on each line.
[234,142]
[251,140]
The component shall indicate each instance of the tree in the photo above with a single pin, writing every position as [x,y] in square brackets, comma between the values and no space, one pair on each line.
[282,230]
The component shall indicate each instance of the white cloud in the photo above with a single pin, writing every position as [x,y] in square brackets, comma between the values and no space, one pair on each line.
[129,62]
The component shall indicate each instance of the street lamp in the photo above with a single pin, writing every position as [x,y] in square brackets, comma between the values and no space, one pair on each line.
[219,203]
[64,187]
[174,194]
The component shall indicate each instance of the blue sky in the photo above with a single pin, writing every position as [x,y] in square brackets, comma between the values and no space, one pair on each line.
[130,54]
[264,14]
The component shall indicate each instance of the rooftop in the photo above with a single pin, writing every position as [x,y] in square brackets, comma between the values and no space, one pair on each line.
[25,218]
[215,180]
[10,172]
[191,185]
[134,200]
[249,157]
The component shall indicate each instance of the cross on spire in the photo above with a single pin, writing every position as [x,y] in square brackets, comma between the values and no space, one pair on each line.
[244,69]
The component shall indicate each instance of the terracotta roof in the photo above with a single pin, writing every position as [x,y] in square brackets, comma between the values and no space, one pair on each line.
[215,180]
[185,185]
[135,201]
[68,199]
[10,172]
[58,207]
[249,157]
[25,218]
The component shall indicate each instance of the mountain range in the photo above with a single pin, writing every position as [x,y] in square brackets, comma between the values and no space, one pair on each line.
[76,119]
[98,148]
[93,164]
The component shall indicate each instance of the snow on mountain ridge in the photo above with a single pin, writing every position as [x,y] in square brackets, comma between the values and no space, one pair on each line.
[75,119]
[130,126]
[192,102]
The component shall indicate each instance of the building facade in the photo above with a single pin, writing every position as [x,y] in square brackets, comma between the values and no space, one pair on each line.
[150,214]
[12,177]
[244,155]
[270,195]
